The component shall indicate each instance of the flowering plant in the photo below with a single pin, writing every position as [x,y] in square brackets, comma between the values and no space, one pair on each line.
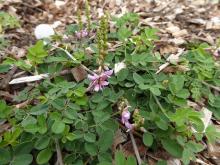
[71,116]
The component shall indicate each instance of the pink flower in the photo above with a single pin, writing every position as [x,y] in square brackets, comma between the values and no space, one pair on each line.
[129,126]
[98,82]
[125,116]
[82,34]
[217,52]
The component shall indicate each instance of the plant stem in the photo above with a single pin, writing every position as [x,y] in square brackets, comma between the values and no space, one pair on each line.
[125,49]
[135,50]
[162,109]
[87,161]
[35,70]
[135,148]
[87,69]
[211,86]
[59,154]
[83,66]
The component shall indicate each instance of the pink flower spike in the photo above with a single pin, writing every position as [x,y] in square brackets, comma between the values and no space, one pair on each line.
[108,72]
[78,34]
[98,82]
[93,77]
[125,116]
[104,83]
[129,126]
[81,34]
[84,33]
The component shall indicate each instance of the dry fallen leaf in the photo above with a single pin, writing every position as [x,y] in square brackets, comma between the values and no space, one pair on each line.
[79,73]
[18,52]
[172,28]
[198,21]
[168,49]
[171,58]
[28,79]
[207,117]
[119,138]
[214,23]
[59,4]
[177,41]
[181,33]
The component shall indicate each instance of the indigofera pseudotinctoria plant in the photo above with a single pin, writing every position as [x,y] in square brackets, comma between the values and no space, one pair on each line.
[121,85]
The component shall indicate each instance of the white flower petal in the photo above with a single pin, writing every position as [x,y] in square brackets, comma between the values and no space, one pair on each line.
[119,66]
[43,31]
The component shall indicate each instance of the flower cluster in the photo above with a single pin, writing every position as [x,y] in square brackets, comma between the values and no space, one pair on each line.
[102,39]
[125,116]
[82,34]
[138,119]
[99,81]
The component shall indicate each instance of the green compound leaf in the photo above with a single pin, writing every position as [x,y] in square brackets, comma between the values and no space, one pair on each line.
[148,139]
[5,156]
[172,147]
[37,53]
[44,156]
[58,127]
[90,137]
[24,159]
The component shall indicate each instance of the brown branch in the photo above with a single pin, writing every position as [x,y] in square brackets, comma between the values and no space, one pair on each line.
[23,104]
[135,148]
[211,86]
